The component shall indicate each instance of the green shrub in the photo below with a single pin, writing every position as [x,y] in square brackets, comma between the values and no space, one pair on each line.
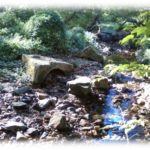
[9,23]
[140,32]
[76,38]
[15,46]
[135,68]
[48,28]
[143,56]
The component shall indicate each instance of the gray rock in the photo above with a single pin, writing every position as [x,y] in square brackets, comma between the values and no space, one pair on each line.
[14,126]
[38,67]
[44,135]
[86,128]
[80,86]
[42,95]
[21,90]
[100,83]
[19,105]
[20,136]
[45,103]
[59,122]
[27,100]
[32,132]
[83,122]
[92,54]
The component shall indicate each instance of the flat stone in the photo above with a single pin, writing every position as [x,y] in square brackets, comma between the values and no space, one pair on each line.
[21,90]
[42,95]
[80,86]
[38,67]
[86,128]
[19,105]
[15,126]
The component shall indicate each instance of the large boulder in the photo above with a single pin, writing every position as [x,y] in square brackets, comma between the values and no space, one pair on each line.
[91,53]
[110,32]
[80,86]
[38,67]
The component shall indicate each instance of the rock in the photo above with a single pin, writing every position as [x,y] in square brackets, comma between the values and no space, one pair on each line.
[42,95]
[38,67]
[86,116]
[80,86]
[27,100]
[21,90]
[15,126]
[100,83]
[117,100]
[19,105]
[110,69]
[44,135]
[98,122]
[109,32]
[32,132]
[92,54]
[140,102]
[20,136]
[86,128]
[134,109]
[45,103]
[83,122]
[97,117]
[59,122]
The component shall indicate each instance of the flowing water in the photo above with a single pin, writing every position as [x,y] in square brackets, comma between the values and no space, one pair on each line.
[113,115]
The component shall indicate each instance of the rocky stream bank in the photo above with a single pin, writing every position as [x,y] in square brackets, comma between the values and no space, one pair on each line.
[83,105]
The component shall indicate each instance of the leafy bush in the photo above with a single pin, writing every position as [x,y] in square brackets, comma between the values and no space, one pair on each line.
[73,18]
[9,23]
[15,46]
[76,38]
[143,56]
[135,68]
[140,32]
[47,27]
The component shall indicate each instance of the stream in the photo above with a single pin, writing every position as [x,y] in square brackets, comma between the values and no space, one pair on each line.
[114,118]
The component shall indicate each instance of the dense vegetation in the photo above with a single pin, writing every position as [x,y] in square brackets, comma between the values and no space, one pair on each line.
[94,84]
[45,31]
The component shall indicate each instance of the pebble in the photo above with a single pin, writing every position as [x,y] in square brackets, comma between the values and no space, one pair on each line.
[86,128]
[83,122]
